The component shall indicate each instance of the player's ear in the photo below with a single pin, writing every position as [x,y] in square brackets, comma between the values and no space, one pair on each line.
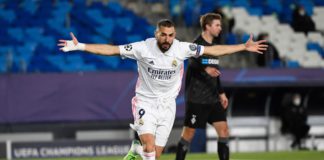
[156,33]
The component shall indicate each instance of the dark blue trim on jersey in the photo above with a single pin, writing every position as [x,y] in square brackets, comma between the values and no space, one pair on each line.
[198,50]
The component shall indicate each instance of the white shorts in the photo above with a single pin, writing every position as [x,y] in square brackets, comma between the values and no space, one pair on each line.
[154,116]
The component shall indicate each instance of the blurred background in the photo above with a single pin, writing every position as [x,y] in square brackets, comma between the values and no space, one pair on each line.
[51,98]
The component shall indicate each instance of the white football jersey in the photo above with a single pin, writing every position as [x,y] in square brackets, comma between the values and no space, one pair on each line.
[160,74]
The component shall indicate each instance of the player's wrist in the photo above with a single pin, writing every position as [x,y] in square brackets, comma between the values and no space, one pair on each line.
[245,46]
[70,46]
[81,46]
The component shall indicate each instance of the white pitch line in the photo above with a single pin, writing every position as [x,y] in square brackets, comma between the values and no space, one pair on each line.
[245,159]
[234,159]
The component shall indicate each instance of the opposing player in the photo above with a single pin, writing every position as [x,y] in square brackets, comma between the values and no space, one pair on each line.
[160,67]
[205,99]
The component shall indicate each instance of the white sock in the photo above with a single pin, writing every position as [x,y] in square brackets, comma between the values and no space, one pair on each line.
[137,147]
[148,156]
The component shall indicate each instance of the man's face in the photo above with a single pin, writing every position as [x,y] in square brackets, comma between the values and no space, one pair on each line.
[165,37]
[214,28]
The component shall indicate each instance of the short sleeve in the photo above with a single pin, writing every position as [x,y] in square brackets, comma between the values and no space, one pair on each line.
[191,50]
[132,50]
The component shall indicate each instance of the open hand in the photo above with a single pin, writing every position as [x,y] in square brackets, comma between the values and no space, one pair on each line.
[257,46]
[212,71]
[70,45]
[223,99]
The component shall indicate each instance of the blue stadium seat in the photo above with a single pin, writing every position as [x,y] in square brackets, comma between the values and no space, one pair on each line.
[318,2]
[5,49]
[99,39]
[292,64]
[153,1]
[48,42]
[308,5]
[82,18]
[241,3]
[16,33]
[41,50]
[231,39]
[149,31]
[30,6]
[273,6]
[96,60]
[222,3]
[175,8]
[79,2]
[89,67]
[12,4]
[65,6]
[276,64]
[316,47]
[96,15]
[207,6]
[41,64]
[97,5]
[313,46]
[34,33]
[191,14]
[142,27]
[75,58]
[107,28]
[289,3]
[115,9]
[3,64]
[255,11]
[56,24]
[112,62]
[134,38]
[57,61]
[206,9]
[286,15]
[128,64]
[125,23]
[245,37]
[256,3]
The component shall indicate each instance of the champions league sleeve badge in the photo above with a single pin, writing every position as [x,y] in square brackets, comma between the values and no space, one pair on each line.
[174,63]
[128,47]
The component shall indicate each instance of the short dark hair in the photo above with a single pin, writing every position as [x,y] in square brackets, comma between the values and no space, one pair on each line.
[208,19]
[164,23]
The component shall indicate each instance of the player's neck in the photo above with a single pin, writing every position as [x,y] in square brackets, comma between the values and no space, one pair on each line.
[207,37]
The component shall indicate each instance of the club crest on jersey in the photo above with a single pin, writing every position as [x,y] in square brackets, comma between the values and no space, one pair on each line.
[174,63]
[193,47]
[141,122]
[128,47]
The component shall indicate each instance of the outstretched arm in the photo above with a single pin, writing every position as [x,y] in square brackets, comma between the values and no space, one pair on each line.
[74,44]
[250,45]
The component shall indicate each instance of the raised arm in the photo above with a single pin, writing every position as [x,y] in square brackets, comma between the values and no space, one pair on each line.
[74,44]
[250,45]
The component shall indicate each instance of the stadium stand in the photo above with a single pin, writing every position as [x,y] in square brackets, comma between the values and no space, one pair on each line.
[29,37]
[24,29]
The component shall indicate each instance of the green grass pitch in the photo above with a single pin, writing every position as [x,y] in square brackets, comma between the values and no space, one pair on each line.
[293,155]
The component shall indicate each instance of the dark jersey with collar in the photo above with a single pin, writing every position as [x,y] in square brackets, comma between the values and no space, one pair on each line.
[199,86]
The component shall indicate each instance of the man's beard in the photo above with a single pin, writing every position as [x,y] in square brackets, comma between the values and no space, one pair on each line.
[164,49]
